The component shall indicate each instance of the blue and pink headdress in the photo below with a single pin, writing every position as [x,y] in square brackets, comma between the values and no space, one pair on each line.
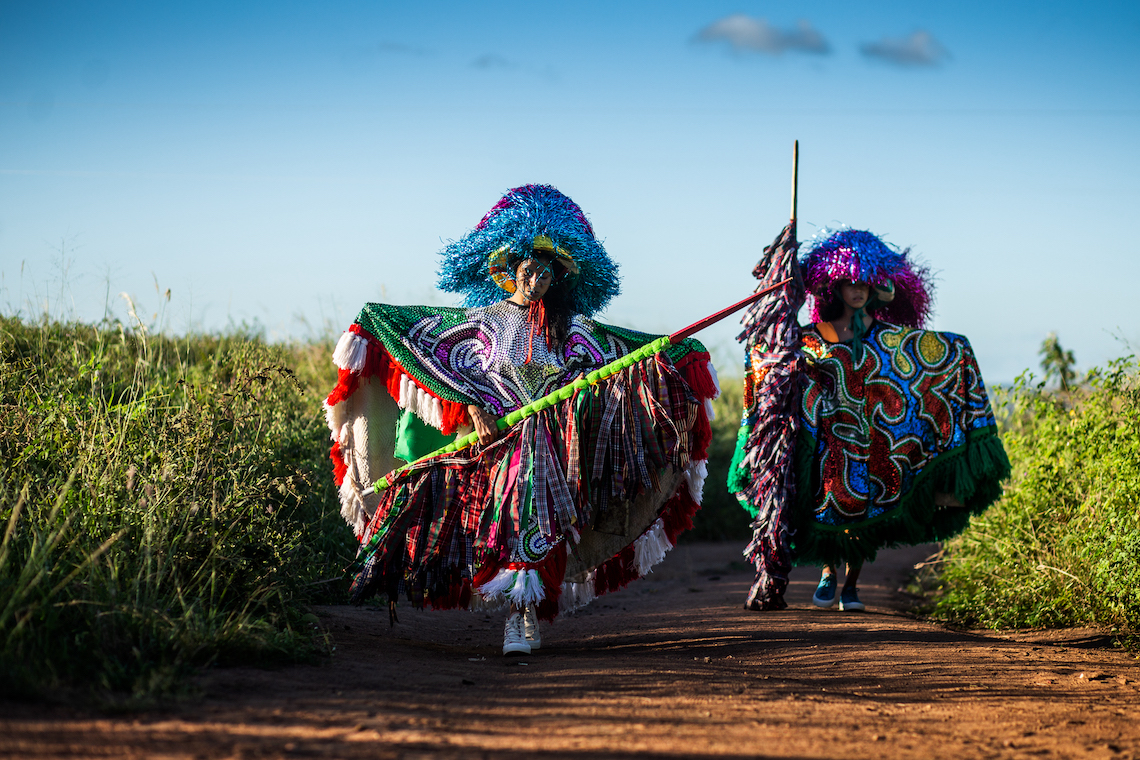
[481,264]
[860,256]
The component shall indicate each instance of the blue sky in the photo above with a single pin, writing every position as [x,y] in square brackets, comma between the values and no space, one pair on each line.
[284,163]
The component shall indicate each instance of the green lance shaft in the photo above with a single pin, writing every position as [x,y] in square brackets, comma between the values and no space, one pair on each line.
[567,391]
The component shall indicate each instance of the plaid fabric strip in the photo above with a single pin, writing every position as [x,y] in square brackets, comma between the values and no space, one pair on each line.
[442,519]
[520,491]
[445,518]
[542,474]
[614,435]
[641,431]
[570,429]
[611,402]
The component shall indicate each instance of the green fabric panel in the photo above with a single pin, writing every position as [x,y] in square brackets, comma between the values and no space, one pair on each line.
[738,475]
[972,472]
[415,438]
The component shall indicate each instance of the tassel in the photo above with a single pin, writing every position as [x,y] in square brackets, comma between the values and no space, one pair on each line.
[352,509]
[521,587]
[577,595]
[498,586]
[536,316]
[650,548]
[695,474]
[527,589]
[350,352]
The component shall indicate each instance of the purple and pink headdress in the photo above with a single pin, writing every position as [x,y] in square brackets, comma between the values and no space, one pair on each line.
[860,256]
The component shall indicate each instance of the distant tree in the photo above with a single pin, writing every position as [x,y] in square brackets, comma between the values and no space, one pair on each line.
[1057,362]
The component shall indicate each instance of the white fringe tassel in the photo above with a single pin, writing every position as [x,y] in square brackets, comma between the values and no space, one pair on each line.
[521,587]
[708,401]
[350,352]
[422,404]
[650,547]
[695,474]
[352,508]
[575,596]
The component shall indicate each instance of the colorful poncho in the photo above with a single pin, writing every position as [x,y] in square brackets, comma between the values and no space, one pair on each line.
[582,497]
[837,457]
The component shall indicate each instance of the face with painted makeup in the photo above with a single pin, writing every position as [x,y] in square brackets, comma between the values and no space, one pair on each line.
[532,279]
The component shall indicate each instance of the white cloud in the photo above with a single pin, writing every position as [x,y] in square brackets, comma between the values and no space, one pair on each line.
[746,34]
[493,61]
[363,56]
[919,49]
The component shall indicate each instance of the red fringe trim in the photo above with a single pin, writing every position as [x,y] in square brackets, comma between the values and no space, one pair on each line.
[488,571]
[379,363]
[702,435]
[339,467]
[458,597]
[552,571]
[617,572]
[694,368]
[678,514]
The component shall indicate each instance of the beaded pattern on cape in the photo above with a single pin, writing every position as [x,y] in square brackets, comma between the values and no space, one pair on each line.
[915,395]
[487,354]
[477,355]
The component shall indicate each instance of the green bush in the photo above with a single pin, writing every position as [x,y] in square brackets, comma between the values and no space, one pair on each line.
[167,503]
[1062,547]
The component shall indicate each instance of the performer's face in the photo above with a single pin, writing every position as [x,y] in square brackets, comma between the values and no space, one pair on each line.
[854,294]
[533,277]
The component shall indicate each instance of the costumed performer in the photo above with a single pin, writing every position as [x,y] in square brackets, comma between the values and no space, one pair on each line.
[578,499]
[861,430]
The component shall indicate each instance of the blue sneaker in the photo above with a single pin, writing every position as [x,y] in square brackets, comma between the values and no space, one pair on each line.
[849,600]
[825,592]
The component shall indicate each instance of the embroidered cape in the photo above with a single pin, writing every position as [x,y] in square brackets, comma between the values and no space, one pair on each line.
[600,483]
[838,457]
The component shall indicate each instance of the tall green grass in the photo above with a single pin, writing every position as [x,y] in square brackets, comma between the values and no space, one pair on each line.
[1062,548]
[166,503]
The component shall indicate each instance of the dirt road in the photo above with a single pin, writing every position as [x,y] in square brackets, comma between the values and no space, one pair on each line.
[670,667]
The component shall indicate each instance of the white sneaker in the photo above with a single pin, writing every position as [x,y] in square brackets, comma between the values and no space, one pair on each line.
[514,635]
[530,626]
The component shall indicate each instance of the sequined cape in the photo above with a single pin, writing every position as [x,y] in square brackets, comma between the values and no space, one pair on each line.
[478,355]
[498,522]
[878,439]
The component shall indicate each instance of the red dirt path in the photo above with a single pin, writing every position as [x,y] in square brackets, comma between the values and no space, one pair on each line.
[670,667]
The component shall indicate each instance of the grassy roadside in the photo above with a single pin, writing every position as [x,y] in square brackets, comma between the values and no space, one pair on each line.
[1062,547]
[165,503]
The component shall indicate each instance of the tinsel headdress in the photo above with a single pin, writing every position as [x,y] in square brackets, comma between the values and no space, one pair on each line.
[521,215]
[860,256]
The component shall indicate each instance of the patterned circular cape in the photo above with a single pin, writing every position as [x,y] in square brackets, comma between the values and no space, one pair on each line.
[839,456]
[575,501]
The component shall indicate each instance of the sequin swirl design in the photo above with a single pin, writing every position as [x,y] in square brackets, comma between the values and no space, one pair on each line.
[478,355]
[915,394]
